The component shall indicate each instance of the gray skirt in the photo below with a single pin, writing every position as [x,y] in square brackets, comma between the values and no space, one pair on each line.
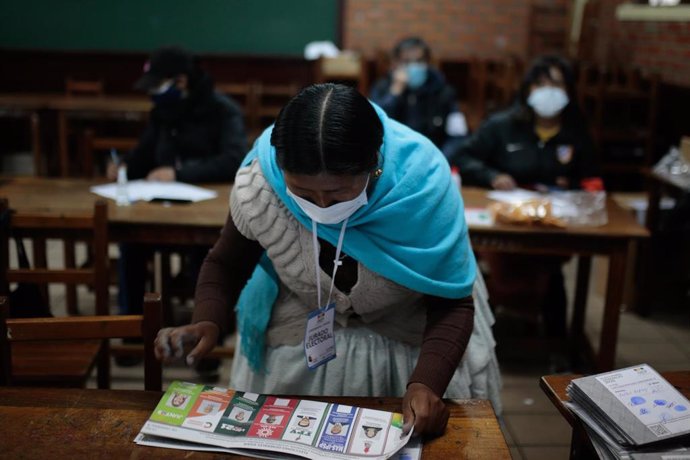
[369,364]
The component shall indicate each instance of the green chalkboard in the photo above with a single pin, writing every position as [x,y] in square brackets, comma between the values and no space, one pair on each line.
[277,27]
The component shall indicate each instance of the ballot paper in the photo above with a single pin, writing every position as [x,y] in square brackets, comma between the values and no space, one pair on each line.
[144,190]
[203,417]
[632,411]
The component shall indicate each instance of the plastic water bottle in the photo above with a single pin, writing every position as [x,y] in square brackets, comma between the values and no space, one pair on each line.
[122,198]
[455,176]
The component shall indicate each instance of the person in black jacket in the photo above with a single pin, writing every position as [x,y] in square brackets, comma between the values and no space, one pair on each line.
[540,143]
[417,95]
[195,135]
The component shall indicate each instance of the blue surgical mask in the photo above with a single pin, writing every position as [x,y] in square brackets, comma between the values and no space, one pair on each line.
[416,74]
[167,93]
[548,101]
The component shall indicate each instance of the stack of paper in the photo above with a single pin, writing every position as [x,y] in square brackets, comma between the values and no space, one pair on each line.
[632,413]
[207,418]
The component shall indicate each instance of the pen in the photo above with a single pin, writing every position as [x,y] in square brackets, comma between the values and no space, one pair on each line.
[114,157]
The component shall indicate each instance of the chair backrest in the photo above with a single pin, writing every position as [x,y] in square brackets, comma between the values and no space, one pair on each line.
[74,87]
[493,84]
[348,67]
[245,95]
[39,226]
[270,99]
[91,144]
[144,326]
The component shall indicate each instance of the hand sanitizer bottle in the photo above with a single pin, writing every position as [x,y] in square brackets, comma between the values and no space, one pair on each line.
[122,193]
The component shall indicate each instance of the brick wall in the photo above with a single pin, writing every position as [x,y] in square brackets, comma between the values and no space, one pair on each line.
[661,47]
[455,29]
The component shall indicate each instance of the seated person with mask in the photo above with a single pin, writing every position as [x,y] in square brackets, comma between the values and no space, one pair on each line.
[417,95]
[542,143]
[195,135]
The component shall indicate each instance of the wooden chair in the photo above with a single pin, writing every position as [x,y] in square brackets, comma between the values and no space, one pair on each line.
[74,87]
[270,99]
[245,95]
[15,333]
[91,145]
[71,365]
[492,85]
[621,106]
[348,68]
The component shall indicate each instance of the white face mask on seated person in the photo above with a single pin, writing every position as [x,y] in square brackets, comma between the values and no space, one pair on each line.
[335,213]
[548,101]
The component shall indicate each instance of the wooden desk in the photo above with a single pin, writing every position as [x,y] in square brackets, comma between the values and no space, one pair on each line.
[67,423]
[194,224]
[613,240]
[200,223]
[120,107]
[554,386]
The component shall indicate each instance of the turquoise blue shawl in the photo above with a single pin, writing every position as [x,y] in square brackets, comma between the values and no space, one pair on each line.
[412,231]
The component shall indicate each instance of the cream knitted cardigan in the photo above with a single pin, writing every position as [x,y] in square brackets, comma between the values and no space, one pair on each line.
[382,305]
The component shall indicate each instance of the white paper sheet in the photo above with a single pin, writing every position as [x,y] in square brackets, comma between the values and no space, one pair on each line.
[478,217]
[515,196]
[143,190]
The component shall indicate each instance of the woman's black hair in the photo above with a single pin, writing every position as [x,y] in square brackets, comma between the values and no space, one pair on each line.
[327,128]
[541,69]
[411,42]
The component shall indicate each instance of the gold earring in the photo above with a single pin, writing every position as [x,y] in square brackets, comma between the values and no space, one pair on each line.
[378,172]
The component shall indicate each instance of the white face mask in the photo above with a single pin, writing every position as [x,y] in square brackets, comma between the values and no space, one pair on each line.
[333,214]
[548,101]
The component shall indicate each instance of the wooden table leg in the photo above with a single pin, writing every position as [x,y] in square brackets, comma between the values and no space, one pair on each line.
[63,148]
[35,122]
[614,297]
[70,289]
[577,324]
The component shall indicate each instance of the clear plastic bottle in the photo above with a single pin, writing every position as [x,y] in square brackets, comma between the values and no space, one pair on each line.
[455,176]
[122,192]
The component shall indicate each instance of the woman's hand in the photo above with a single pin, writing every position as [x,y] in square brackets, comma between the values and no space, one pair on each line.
[162,174]
[111,171]
[503,182]
[172,342]
[423,410]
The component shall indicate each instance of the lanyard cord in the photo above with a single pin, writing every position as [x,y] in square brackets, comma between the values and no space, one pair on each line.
[336,263]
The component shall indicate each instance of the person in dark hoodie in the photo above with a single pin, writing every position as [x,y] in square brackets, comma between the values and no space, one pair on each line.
[195,135]
[417,95]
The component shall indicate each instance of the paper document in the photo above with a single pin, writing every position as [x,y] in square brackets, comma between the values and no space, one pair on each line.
[515,196]
[635,405]
[478,217]
[144,190]
[194,416]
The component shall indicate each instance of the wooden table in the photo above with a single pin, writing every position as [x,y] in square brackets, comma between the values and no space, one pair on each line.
[200,223]
[76,423]
[67,106]
[554,386]
[193,224]
[613,240]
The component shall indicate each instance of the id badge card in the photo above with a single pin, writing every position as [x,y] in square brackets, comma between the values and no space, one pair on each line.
[319,337]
